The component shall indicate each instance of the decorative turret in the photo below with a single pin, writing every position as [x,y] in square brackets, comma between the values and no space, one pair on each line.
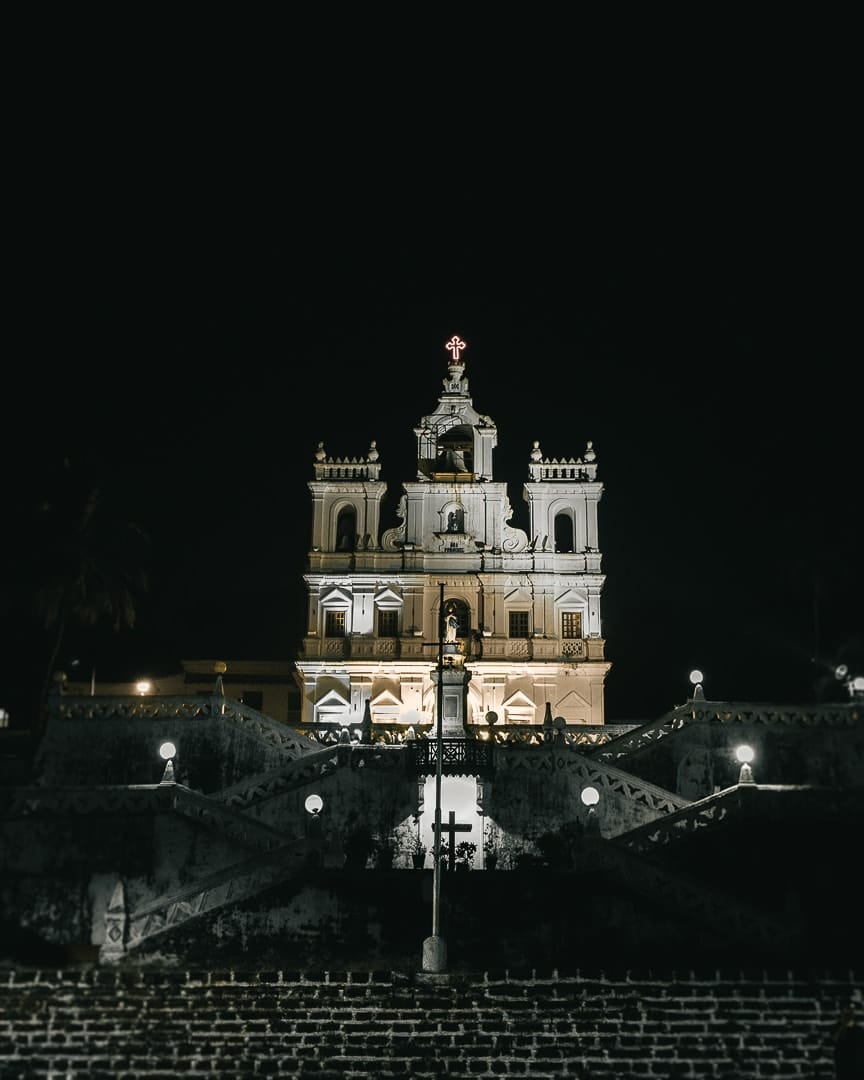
[455,443]
[346,499]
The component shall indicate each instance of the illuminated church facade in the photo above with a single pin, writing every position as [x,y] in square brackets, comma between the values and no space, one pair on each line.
[523,608]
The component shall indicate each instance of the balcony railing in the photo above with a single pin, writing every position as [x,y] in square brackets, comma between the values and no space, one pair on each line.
[580,736]
[459,756]
[364,647]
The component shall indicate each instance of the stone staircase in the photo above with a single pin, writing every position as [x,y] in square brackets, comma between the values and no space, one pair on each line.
[278,860]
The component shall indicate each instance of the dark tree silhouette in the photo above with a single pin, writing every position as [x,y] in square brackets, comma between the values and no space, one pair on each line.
[90,566]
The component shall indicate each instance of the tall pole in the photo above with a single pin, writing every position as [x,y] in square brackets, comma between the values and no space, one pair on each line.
[434,947]
[439,754]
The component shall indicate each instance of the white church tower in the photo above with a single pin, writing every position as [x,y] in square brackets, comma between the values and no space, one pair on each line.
[523,647]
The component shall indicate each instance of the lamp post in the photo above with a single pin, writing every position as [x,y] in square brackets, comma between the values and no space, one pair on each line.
[168,751]
[590,796]
[434,947]
[314,805]
[745,755]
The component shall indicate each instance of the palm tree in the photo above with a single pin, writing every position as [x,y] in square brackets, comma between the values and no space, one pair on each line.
[91,564]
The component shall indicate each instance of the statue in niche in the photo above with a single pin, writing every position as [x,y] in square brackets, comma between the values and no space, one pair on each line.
[454,521]
[451,627]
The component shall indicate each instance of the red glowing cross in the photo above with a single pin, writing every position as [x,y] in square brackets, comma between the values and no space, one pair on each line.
[455,345]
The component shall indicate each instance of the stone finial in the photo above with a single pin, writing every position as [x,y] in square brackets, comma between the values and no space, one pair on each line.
[536,452]
[372,453]
[589,454]
[320,453]
[548,724]
[366,728]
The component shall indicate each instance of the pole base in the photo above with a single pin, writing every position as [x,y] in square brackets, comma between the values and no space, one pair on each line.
[435,954]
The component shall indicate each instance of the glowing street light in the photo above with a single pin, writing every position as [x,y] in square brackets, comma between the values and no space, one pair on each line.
[696,677]
[590,796]
[745,755]
[168,751]
[143,686]
[314,804]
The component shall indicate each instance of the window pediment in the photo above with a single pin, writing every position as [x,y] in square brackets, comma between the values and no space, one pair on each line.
[386,699]
[336,598]
[518,700]
[570,702]
[388,599]
[332,700]
[518,596]
[571,598]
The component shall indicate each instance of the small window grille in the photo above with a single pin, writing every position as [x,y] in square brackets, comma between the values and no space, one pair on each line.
[518,624]
[334,625]
[571,624]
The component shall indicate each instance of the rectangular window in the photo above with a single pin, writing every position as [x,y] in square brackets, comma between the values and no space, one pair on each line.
[518,624]
[571,624]
[334,625]
[388,622]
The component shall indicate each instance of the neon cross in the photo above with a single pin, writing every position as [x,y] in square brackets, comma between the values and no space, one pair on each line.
[451,828]
[455,345]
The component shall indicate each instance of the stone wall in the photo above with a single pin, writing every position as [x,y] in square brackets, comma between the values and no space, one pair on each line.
[106,1024]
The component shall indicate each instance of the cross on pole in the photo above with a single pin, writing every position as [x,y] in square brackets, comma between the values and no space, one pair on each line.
[451,828]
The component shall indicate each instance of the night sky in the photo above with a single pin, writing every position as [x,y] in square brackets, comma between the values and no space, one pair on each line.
[197,357]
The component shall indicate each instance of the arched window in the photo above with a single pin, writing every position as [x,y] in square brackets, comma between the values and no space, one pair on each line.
[456,451]
[564,533]
[346,529]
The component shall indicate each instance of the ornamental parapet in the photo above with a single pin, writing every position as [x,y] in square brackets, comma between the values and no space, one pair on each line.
[553,469]
[124,799]
[136,709]
[576,735]
[732,714]
[356,468]
[476,647]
